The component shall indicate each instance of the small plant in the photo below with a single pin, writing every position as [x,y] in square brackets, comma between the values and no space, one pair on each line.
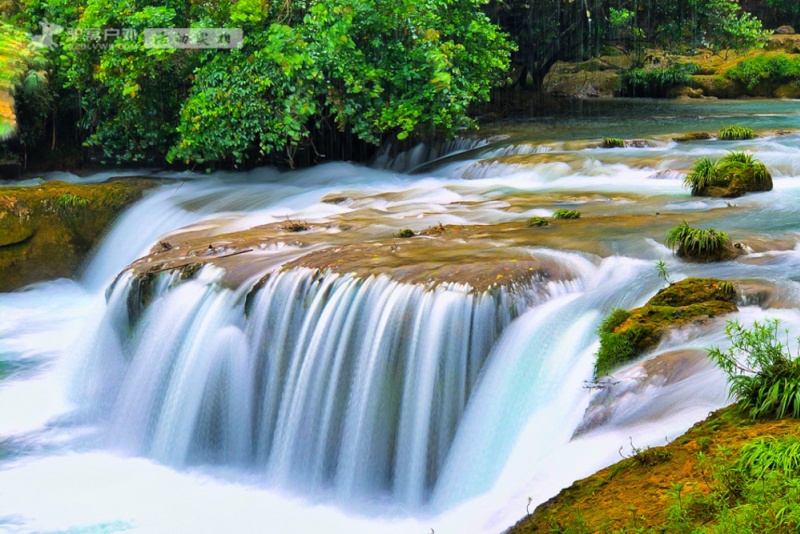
[68,204]
[703,175]
[294,226]
[647,456]
[566,214]
[735,133]
[764,376]
[663,272]
[436,229]
[405,232]
[537,221]
[697,243]
[770,454]
[613,142]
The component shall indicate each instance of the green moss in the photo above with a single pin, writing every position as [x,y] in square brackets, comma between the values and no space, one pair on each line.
[537,221]
[566,214]
[694,136]
[626,335]
[47,230]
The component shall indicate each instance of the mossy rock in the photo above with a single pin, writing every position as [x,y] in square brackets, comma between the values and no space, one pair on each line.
[788,90]
[47,230]
[733,176]
[685,92]
[736,182]
[626,335]
[693,136]
[15,222]
[719,86]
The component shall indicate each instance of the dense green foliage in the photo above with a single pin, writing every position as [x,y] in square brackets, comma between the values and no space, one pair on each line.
[764,376]
[771,70]
[361,68]
[655,82]
[319,78]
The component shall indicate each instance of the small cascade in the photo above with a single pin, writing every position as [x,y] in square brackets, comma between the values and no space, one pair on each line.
[315,380]
[423,153]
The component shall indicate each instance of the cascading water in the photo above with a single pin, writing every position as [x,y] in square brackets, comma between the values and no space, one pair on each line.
[316,380]
[322,401]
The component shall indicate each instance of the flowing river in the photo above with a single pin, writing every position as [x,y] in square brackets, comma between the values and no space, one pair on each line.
[335,402]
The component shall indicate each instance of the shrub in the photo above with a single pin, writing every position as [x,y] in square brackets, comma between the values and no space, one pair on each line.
[537,221]
[735,133]
[764,376]
[655,82]
[696,242]
[613,142]
[769,70]
[566,214]
[405,232]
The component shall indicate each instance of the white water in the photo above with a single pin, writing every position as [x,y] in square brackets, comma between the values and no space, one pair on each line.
[338,404]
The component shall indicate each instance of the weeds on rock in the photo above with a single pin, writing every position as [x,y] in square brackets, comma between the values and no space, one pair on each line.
[695,242]
[735,133]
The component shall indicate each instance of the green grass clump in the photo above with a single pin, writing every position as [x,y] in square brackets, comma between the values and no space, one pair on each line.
[764,376]
[537,221]
[566,214]
[655,82]
[613,142]
[740,162]
[733,175]
[69,205]
[735,133]
[405,232]
[697,243]
[705,173]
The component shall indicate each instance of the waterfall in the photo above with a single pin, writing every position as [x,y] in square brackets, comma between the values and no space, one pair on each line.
[318,381]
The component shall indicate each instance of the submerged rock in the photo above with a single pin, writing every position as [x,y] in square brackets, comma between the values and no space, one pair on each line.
[619,399]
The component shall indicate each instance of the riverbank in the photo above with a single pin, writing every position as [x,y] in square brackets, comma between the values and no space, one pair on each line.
[46,231]
[669,488]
